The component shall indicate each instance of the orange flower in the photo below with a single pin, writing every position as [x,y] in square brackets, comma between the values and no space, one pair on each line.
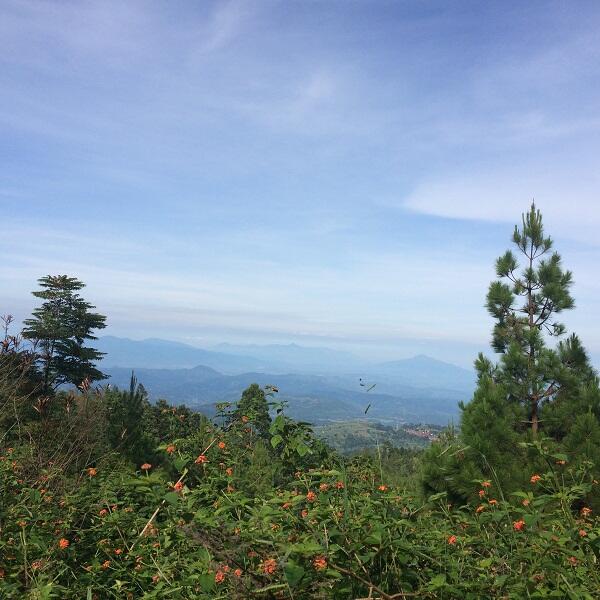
[493,502]
[452,540]
[304,514]
[311,496]
[201,459]
[92,472]
[221,445]
[486,484]
[572,560]
[585,511]
[63,543]
[245,419]
[269,566]
[324,487]
[382,488]
[480,508]
[286,505]
[219,577]
[535,478]
[146,467]
[170,449]
[238,572]
[178,486]
[519,525]
[22,523]
[105,564]
[36,564]
[481,493]
[339,485]
[229,471]
[582,533]
[103,512]
[155,578]
[118,551]
[526,502]
[319,563]
[561,462]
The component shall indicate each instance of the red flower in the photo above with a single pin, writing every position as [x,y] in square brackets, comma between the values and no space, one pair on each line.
[319,563]
[519,525]
[170,449]
[201,459]
[324,487]
[382,488]
[339,485]
[269,566]
[238,572]
[535,478]
[585,511]
[146,467]
[452,540]
[486,484]
[582,533]
[92,472]
[221,445]
[219,577]
[63,543]
[311,496]
[481,493]
[178,486]
[493,502]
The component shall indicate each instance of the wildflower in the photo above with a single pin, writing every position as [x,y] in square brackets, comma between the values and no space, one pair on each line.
[92,472]
[36,564]
[221,445]
[452,540]
[146,467]
[526,502]
[480,508]
[201,459]
[339,485]
[535,478]
[22,523]
[324,487]
[286,505]
[155,578]
[493,502]
[382,488]
[178,486]
[572,560]
[518,525]
[481,493]
[304,514]
[219,577]
[229,489]
[311,496]
[229,471]
[274,526]
[585,511]
[319,563]
[226,568]
[170,449]
[238,572]
[582,533]
[486,484]
[63,543]
[561,462]
[245,419]
[105,564]
[252,554]
[103,512]
[118,551]
[269,566]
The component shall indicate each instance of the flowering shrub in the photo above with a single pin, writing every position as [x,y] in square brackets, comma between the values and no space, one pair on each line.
[193,528]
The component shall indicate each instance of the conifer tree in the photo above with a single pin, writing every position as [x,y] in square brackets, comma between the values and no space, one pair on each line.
[61,326]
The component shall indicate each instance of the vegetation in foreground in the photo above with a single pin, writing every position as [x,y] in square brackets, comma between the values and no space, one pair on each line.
[103,495]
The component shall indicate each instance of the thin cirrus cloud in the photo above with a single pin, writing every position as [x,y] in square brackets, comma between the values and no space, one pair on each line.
[338,172]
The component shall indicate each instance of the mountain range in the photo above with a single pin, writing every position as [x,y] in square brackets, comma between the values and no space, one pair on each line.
[319,385]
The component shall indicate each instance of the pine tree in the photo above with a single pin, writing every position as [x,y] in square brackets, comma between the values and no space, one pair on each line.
[60,328]
[525,304]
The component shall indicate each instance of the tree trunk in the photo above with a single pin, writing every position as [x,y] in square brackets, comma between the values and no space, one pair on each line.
[534,417]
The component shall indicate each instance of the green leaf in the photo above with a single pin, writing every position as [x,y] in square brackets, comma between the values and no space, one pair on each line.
[293,573]
[276,440]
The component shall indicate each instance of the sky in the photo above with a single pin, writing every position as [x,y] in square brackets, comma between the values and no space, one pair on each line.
[339,173]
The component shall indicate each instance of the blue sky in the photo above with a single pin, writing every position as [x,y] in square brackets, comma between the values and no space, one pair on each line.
[337,173]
